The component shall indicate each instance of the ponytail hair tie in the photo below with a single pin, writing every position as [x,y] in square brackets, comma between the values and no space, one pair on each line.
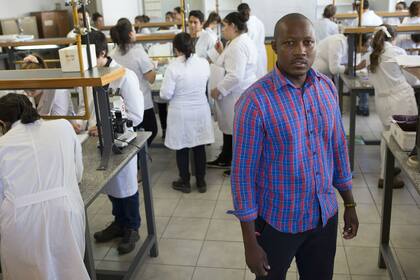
[384,30]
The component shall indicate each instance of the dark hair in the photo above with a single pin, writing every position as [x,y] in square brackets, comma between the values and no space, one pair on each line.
[238,20]
[99,40]
[329,11]
[169,13]
[142,18]
[414,8]
[244,10]
[178,10]
[402,3]
[80,11]
[95,16]
[378,44]
[365,4]
[15,107]
[213,17]
[184,44]
[31,65]
[120,34]
[197,14]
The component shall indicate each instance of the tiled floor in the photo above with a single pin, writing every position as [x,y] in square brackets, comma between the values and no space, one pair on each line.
[199,241]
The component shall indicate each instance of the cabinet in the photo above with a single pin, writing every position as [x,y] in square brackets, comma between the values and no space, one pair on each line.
[52,24]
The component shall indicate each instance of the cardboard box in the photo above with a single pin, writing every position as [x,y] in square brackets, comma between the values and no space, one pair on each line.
[69,58]
[405,139]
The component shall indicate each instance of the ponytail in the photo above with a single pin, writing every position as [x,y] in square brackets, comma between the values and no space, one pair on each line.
[213,17]
[15,107]
[120,35]
[239,20]
[378,45]
[184,44]
[245,11]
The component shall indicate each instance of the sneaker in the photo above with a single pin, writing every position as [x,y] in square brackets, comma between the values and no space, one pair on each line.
[182,186]
[128,242]
[398,184]
[361,112]
[111,232]
[218,164]
[201,185]
[226,173]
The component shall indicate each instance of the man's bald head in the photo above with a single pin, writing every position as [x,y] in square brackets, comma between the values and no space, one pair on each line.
[287,19]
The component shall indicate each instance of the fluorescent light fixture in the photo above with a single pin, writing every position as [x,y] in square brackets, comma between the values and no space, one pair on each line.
[40,47]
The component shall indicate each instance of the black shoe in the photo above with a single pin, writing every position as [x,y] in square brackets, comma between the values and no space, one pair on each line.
[226,173]
[201,185]
[361,112]
[111,232]
[218,164]
[182,185]
[397,184]
[163,133]
[128,242]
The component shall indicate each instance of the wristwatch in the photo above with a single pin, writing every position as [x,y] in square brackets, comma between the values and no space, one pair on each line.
[350,205]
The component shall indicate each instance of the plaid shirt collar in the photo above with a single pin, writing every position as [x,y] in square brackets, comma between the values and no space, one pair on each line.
[280,80]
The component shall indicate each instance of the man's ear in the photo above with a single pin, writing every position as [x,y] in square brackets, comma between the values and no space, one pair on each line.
[274,46]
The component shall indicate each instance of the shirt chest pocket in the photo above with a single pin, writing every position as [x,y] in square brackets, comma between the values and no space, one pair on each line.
[325,121]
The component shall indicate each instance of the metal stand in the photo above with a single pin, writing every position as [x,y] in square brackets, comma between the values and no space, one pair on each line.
[351,64]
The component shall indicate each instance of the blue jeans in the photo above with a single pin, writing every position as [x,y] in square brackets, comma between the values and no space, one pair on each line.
[364,101]
[126,211]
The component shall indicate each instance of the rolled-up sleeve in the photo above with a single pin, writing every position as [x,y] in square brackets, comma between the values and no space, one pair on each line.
[342,176]
[247,148]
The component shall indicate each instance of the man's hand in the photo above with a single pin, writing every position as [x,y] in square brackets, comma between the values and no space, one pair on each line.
[256,260]
[219,47]
[77,128]
[93,131]
[215,93]
[351,223]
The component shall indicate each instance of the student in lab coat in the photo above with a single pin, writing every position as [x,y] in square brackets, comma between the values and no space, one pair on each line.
[72,33]
[134,57]
[48,102]
[406,41]
[331,58]
[208,37]
[42,221]
[394,94]
[123,189]
[189,119]
[256,31]
[369,18]
[400,6]
[326,26]
[139,20]
[239,60]
[195,25]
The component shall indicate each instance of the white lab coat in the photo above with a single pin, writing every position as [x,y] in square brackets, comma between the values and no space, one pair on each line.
[393,93]
[55,103]
[256,32]
[369,18]
[331,53]
[404,40]
[239,59]
[325,28]
[137,60]
[125,183]
[42,218]
[189,118]
[205,42]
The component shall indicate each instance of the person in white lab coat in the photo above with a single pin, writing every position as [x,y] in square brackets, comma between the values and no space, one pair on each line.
[208,37]
[134,57]
[239,61]
[394,94]
[195,25]
[189,119]
[326,26]
[400,6]
[72,33]
[406,41]
[369,17]
[122,190]
[256,31]
[42,221]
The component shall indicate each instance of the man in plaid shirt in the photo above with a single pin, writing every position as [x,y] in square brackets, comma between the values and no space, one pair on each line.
[290,155]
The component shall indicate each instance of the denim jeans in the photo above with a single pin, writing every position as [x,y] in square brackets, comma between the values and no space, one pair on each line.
[126,211]
[364,101]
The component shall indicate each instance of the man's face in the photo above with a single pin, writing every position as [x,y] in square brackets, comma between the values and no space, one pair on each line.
[80,16]
[294,45]
[177,16]
[100,23]
[195,25]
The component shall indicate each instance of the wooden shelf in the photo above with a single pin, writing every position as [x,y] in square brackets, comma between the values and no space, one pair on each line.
[55,78]
[38,42]
[149,25]
[363,30]
[379,13]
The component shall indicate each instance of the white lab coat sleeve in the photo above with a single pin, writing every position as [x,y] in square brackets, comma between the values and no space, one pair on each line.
[62,105]
[168,84]
[335,54]
[133,98]
[235,66]
[144,62]
[213,55]
[78,158]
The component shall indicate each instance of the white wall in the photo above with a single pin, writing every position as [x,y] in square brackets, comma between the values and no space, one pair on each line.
[17,8]
[113,10]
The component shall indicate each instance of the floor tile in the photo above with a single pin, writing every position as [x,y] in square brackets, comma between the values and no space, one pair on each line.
[187,228]
[222,206]
[289,276]
[405,236]
[224,230]
[165,191]
[161,223]
[405,215]
[113,265]
[363,261]
[160,272]
[367,236]
[165,207]
[362,195]
[399,197]
[410,260]
[222,255]
[177,252]
[358,277]
[211,194]
[340,264]
[205,273]
[194,208]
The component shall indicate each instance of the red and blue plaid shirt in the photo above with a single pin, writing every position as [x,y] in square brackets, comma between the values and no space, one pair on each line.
[289,153]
